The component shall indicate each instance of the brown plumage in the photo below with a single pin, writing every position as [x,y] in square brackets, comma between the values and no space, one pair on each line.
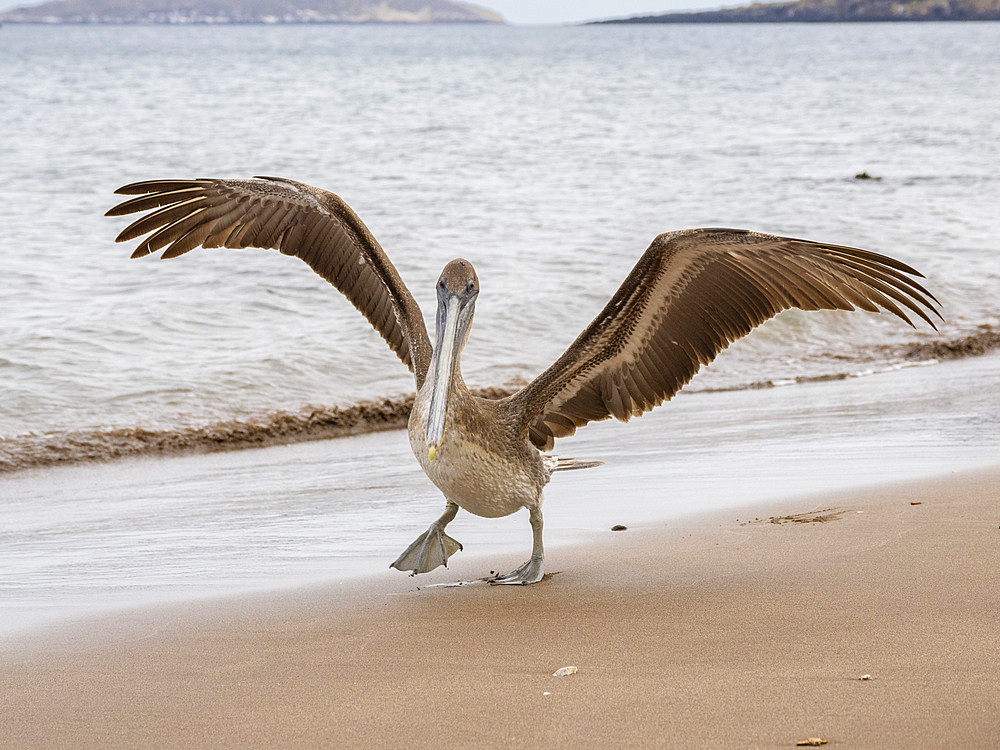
[297,219]
[691,294]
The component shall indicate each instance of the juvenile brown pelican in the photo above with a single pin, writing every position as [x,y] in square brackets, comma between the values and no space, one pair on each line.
[691,294]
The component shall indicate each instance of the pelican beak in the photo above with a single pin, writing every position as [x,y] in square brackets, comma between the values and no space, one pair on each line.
[443,367]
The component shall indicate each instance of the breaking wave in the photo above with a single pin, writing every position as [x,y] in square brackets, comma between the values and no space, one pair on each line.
[274,428]
[36,450]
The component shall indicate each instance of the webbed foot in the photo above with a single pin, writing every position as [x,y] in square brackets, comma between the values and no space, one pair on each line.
[530,572]
[428,551]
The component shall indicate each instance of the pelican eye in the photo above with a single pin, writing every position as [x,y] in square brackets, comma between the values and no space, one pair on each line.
[441,283]
[468,287]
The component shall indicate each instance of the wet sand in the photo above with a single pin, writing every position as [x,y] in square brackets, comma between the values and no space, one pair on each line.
[728,630]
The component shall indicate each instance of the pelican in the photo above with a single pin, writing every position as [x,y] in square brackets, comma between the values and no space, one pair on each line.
[691,294]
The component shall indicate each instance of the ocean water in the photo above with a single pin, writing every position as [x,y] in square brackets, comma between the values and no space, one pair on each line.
[549,157]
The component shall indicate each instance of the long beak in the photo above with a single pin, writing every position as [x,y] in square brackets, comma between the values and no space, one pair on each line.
[444,365]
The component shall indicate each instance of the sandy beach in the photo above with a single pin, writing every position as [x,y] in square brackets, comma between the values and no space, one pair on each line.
[749,628]
[813,538]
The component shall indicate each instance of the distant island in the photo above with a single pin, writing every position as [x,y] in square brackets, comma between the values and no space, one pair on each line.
[819,11]
[251,11]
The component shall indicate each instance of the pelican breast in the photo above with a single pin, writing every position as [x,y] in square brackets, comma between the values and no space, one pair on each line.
[479,466]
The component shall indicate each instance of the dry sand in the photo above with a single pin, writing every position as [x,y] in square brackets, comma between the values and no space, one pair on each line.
[720,631]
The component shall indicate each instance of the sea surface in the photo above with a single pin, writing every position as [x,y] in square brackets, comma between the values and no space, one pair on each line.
[550,157]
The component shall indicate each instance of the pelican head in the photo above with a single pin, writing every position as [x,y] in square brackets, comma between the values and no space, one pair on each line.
[457,289]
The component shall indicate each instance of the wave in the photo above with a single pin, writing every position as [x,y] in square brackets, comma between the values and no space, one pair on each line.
[896,357]
[985,340]
[37,450]
[274,428]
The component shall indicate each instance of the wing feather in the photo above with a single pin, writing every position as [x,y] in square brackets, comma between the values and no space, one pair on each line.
[158,218]
[294,218]
[690,295]
[146,202]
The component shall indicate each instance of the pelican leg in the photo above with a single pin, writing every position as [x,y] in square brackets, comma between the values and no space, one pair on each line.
[531,571]
[432,548]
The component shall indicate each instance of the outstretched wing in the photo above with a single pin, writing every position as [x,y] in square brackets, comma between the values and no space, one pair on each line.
[690,296]
[295,218]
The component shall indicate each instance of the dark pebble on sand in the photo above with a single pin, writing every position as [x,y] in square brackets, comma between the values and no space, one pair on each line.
[619,527]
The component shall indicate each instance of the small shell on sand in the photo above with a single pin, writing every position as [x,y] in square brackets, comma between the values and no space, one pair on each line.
[865,677]
[564,671]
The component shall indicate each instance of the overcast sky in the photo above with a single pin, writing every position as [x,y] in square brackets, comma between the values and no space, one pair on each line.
[553,11]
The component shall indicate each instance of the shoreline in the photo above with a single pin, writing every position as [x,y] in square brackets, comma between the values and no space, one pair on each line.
[79,540]
[716,630]
[282,426]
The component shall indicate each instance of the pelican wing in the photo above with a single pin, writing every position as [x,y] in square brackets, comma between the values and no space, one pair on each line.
[297,219]
[690,296]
